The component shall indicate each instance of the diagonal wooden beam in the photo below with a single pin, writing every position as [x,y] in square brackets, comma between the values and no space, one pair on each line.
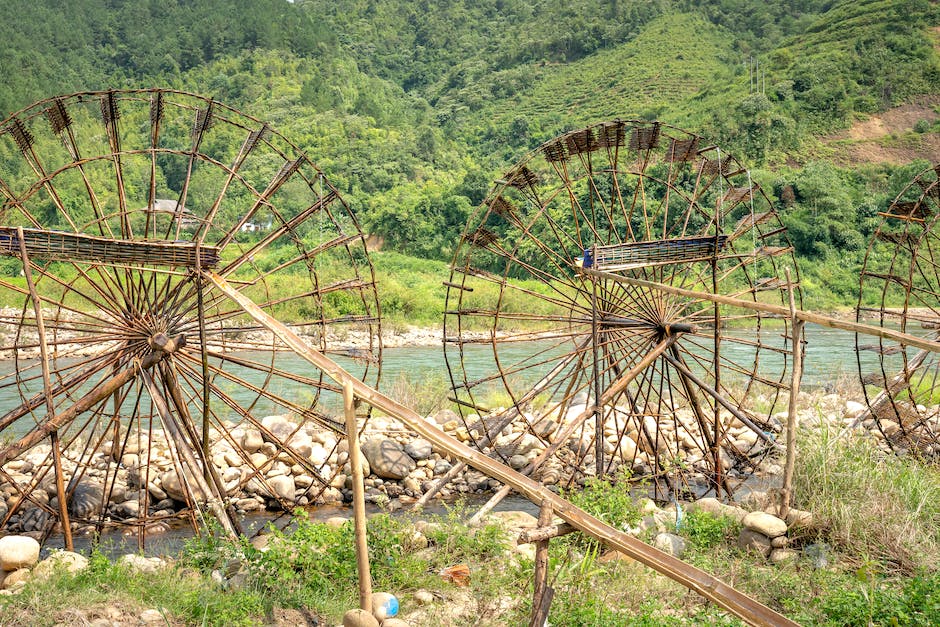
[710,587]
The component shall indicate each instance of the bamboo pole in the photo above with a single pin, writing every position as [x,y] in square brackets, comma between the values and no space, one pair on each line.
[795,376]
[359,499]
[47,392]
[710,587]
[213,498]
[540,586]
[805,316]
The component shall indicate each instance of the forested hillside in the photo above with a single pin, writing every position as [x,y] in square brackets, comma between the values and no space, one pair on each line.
[413,107]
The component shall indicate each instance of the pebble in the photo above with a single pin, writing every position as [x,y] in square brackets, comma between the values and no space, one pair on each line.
[423,597]
[359,618]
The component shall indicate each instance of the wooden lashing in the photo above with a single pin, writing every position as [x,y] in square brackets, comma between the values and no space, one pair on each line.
[710,587]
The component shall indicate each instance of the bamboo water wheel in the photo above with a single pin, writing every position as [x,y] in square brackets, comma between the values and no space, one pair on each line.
[681,390]
[900,289]
[124,371]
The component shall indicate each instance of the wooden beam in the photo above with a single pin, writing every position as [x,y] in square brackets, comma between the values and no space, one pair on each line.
[779,310]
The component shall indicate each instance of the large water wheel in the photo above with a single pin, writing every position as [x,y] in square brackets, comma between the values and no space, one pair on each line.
[123,367]
[900,289]
[546,352]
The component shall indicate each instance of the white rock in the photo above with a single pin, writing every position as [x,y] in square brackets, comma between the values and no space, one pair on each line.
[141,564]
[18,552]
[765,523]
[67,560]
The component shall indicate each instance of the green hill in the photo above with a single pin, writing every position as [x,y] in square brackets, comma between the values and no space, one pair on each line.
[412,108]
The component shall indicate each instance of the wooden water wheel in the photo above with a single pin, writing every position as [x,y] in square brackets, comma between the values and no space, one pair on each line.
[546,350]
[900,289]
[126,372]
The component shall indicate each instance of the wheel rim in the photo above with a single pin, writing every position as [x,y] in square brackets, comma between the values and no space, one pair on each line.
[164,166]
[900,289]
[515,278]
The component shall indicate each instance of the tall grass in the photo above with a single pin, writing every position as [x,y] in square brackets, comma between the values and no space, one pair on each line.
[876,507]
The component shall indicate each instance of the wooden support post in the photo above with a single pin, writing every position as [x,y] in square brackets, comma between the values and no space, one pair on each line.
[541,600]
[47,392]
[359,499]
[796,375]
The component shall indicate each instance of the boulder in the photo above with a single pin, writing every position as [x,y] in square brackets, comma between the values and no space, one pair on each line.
[751,540]
[388,459]
[68,561]
[670,543]
[279,426]
[252,441]
[283,487]
[86,500]
[173,486]
[18,577]
[780,556]
[18,552]
[764,523]
[419,449]
[141,564]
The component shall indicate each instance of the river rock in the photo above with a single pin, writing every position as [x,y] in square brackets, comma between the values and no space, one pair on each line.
[68,561]
[751,540]
[252,441]
[16,578]
[171,484]
[279,426]
[141,564]
[359,618]
[670,543]
[388,459]
[86,500]
[515,519]
[423,597]
[799,518]
[419,449]
[151,617]
[18,552]
[444,416]
[764,523]
[283,487]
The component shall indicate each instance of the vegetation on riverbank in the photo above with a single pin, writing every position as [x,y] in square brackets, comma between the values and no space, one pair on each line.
[869,558]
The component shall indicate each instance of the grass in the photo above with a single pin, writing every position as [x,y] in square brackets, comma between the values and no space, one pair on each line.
[876,508]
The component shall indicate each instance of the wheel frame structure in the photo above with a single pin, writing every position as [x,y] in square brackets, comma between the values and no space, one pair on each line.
[899,287]
[640,199]
[115,204]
